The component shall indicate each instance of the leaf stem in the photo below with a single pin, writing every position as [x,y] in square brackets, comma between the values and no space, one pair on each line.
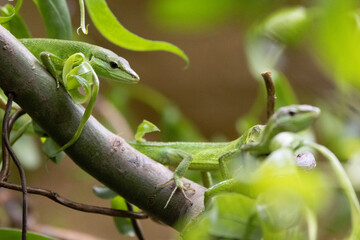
[345,183]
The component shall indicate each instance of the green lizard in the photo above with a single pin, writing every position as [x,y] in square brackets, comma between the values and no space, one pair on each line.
[77,61]
[53,53]
[212,156]
[282,148]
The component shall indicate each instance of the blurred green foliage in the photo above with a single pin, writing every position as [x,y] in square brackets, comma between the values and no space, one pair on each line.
[11,234]
[329,31]
[115,32]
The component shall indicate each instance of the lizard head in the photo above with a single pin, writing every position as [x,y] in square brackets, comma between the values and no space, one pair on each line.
[295,118]
[111,66]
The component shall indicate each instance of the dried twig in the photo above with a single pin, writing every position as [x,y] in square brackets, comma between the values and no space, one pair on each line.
[135,223]
[4,173]
[74,205]
[271,97]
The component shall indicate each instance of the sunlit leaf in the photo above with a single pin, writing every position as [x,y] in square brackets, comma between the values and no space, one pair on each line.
[143,128]
[337,40]
[115,32]
[77,75]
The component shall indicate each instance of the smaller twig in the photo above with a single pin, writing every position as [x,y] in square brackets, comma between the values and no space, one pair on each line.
[74,205]
[135,224]
[15,116]
[4,173]
[5,139]
[271,97]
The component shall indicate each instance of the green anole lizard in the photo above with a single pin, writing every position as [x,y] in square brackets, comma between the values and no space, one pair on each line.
[212,156]
[282,148]
[61,57]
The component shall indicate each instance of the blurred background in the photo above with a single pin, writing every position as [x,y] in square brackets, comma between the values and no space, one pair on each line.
[216,97]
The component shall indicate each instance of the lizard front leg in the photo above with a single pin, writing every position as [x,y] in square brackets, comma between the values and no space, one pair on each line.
[173,155]
[222,163]
[53,64]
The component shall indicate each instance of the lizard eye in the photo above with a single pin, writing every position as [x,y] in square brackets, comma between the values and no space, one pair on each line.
[113,65]
[292,113]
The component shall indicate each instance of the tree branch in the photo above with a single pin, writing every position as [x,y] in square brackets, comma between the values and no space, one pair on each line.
[104,155]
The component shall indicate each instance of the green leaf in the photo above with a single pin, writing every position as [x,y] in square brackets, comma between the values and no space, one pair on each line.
[49,147]
[11,234]
[104,192]
[16,24]
[78,73]
[122,224]
[144,128]
[107,24]
[12,12]
[287,25]
[56,16]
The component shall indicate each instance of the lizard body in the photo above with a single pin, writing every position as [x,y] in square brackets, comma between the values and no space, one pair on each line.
[213,156]
[106,63]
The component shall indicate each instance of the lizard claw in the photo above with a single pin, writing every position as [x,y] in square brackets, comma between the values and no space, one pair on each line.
[187,187]
[179,185]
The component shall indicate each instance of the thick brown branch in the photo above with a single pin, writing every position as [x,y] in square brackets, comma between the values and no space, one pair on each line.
[102,154]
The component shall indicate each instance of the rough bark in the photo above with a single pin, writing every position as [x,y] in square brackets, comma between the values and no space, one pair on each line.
[104,155]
